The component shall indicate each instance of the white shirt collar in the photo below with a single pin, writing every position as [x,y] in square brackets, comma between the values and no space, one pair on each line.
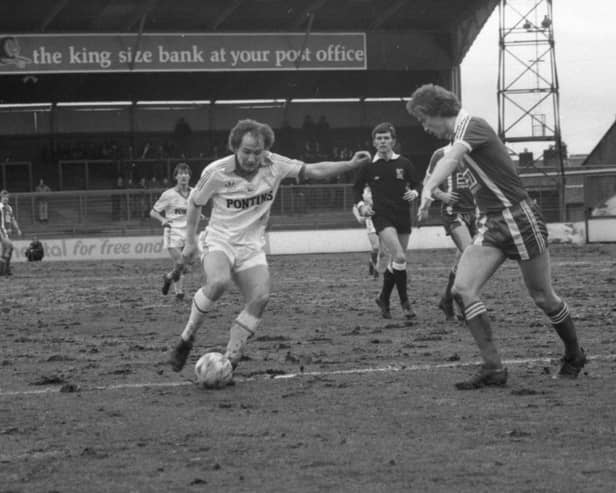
[377,156]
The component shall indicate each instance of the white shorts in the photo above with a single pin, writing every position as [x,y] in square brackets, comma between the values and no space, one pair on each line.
[174,238]
[241,257]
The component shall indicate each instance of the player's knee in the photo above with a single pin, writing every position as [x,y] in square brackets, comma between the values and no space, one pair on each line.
[258,302]
[215,286]
[462,290]
[399,260]
[543,299]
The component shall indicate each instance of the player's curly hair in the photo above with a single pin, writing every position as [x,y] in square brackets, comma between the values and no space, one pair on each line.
[433,100]
[254,128]
[181,167]
[384,127]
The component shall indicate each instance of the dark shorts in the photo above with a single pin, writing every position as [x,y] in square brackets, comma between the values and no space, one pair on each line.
[519,231]
[453,221]
[401,223]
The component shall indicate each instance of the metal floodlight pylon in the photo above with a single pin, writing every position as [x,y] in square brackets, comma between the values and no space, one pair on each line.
[528,92]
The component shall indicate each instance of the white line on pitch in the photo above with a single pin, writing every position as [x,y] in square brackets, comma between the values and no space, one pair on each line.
[288,376]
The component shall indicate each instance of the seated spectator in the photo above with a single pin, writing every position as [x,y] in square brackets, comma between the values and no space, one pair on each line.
[309,129]
[35,251]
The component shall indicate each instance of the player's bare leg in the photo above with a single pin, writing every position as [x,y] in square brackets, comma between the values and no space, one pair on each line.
[373,269]
[254,284]
[461,238]
[6,250]
[217,268]
[174,275]
[476,266]
[538,279]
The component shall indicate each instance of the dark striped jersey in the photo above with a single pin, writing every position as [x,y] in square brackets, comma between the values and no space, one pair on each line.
[388,180]
[494,180]
[456,182]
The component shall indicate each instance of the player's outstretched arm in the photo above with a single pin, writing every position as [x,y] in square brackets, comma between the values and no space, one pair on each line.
[443,168]
[327,169]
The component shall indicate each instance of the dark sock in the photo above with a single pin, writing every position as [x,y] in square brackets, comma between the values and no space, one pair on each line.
[400,278]
[388,285]
[452,277]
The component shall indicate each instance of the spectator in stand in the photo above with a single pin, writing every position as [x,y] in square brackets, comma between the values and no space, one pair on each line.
[181,133]
[142,204]
[118,201]
[309,129]
[323,135]
[309,155]
[42,201]
[286,139]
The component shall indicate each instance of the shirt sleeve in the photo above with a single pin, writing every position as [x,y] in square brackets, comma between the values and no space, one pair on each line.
[205,188]
[286,167]
[476,134]
[413,176]
[161,204]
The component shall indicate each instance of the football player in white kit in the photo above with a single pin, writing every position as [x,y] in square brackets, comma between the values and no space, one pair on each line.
[242,188]
[376,254]
[170,210]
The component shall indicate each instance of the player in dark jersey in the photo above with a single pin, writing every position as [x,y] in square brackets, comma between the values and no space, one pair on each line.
[394,183]
[510,226]
[458,212]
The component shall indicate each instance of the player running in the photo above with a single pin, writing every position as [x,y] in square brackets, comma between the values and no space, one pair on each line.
[510,226]
[170,210]
[242,188]
[393,182]
[375,251]
[458,211]
[8,225]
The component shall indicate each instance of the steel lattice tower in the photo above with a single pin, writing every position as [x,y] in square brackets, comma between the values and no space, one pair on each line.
[528,91]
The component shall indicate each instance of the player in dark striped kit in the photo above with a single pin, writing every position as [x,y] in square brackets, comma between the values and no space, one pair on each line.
[458,211]
[510,226]
[394,184]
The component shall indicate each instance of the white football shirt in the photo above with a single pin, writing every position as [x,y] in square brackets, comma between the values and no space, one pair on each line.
[173,205]
[241,207]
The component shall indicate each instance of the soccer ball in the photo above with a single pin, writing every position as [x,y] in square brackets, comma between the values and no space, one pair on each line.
[213,370]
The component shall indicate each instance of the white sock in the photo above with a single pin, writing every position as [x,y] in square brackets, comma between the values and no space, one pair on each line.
[178,286]
[244,327]
[200,306]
